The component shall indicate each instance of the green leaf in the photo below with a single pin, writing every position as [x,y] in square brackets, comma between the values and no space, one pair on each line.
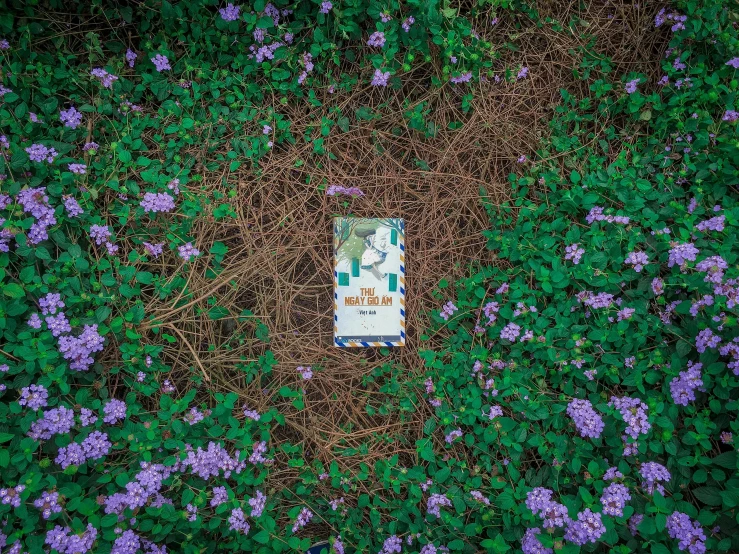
[13,290]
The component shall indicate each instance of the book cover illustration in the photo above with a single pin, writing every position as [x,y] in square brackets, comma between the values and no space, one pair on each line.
[369,282]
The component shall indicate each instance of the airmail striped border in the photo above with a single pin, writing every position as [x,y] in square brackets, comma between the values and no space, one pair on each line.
[355,344]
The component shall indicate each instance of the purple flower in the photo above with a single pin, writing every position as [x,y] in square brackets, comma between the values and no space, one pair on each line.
[40,153]
[161,63]
[48,503]
[714,267]
[87,417]
[154,249]
[680,253]
[625,313]
[91,147]
[587,528]
[220,495]
[523,73]
[574,252]
[58,324]
[230,12]
[106,79]
[634,522]
[531,545]
[435,503]
[187,251]
[461,78]
[392,545]
[733,62]
[305,372]
[380,78]
[99,233]
[71,117]
[4,44]
[34,321]
[34,397]
[495,411]
[712,224]
[115,411]
[588,422]
[64,541]
[376,39]
[653,474]
[706,339]
[257,504]
[612,474]
[408,23]
[302,520]
[194,416]
[689,533]
[333,190]
[72,207]
[12,496]
[4,90]
[682,387]
[510,332]
[730,115]
[127,543]
[157,202]
[637,259]
[614,498]
[57,421]
[251,414]
[130,58]
[79,169]
[658,286]
[50,303]
[326,7]
[634,412]
[630,87]
[450,438]
[448,310]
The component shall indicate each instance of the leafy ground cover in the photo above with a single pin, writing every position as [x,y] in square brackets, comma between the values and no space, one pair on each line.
[166,171]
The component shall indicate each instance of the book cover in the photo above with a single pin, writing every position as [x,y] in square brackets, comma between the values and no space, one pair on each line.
[369,282]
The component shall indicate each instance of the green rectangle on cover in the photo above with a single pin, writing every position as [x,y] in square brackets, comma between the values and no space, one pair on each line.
[393,282]
[355,267]
[343,279]
[393,237]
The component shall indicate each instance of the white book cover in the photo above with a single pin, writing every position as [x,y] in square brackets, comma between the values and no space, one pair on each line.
[369,282]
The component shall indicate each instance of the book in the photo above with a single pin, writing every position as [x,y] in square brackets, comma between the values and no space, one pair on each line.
[369,282]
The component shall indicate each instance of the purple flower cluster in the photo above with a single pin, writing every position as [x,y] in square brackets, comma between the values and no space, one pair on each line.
[554,514]
[34,397]
[308,67]
[257,504]
[452,436]
[237,521]
[87,417]
[187,251]
[596,301]
[675,18]
[630,87]
[72,207]
[612,474]
[91,147]
[161,63]
[477,495]
[302,520]
[447,310]
[392,545]
[333,190]
[48,503]
[144,486]
[596,214]
[194,416]
[495,411]
[706,339]
[634,412]
[130,58]
[376,39]
[380,78]
[71,117]
[689,533]
[210,462]
[78,350]
[306,372]
[230,12]
[490,309]
[220,495]
[154,249]
[106,79]
[614,498]
[680,253]
[114,411]
[461,78]
[64,541]
[712,224]
[79,169]
[408,23]
[531,545]
[40,153]
[36,202]
[325,7]
[634,522]
[637,259]
[654,474]
[510,332]
[682,387]
[57,421]
[587,528]
[95,446]
[586,419]
[435,503]
[12,495]
[730,115]
[714,267]
[251,414]
[574,252]
[157,202]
